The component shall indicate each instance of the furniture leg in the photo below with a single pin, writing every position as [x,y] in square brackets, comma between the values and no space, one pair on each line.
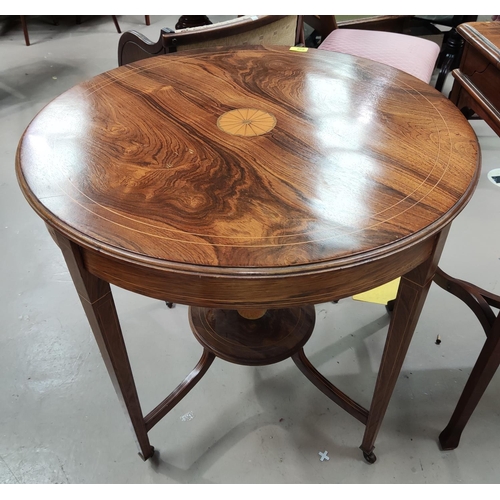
[25,30]
[445,68]
[480,302]
[481,375]
[153,417]
[117,26]
[327,388]
[97,300]
[411,296]
[449,58]
[148,20]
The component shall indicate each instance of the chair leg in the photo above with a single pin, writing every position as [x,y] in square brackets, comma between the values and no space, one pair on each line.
[25,30]
[117,26]
[481,375]
[449,58]
[480,302]
[148,20]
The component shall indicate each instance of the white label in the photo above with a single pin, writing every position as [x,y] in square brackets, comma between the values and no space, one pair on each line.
[494,176]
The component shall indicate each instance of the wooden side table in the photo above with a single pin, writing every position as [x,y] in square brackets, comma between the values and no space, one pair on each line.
[251,184]
[477,81]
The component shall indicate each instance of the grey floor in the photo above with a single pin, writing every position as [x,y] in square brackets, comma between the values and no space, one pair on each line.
[60,420]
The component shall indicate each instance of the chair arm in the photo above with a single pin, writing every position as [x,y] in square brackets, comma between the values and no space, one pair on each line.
[134,46]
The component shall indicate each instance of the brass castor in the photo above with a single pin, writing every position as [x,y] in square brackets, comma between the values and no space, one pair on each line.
[370,457]
[390,306]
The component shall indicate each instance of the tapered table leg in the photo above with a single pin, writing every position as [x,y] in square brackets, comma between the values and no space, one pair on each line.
[481,375]
[25,30]
[97,300]
[411,296]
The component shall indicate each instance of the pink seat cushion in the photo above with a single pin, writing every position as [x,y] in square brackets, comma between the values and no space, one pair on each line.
[414,55]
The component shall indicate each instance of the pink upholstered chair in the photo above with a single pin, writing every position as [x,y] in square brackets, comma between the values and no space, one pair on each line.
[416,56]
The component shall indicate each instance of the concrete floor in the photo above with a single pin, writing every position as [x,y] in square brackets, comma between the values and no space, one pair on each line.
[60,420]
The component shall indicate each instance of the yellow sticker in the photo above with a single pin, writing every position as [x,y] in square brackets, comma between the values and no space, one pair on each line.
[299,49]
[381,294]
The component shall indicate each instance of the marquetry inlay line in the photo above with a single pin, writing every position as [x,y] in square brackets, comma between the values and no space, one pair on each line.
[418,284]
[445,163]
[168,238]
[246,122]
[82,297]
[237,122]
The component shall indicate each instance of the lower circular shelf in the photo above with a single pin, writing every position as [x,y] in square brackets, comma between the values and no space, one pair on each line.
[275,336]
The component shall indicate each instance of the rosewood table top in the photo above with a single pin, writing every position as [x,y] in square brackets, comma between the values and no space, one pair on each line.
[357,162]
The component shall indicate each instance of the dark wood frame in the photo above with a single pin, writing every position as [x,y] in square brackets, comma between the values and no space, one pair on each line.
[25,30]
[477,80]
[480,302]
[134,46]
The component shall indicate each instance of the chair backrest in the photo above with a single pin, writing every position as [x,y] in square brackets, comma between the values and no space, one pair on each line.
[245,30]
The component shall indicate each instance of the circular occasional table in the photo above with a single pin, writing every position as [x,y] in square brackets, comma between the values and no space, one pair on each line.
[250,184]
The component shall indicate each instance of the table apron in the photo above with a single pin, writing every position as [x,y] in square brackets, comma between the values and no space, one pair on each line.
[273,291]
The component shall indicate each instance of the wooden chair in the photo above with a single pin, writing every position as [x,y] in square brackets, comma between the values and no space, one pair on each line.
[481,303]
[476,90]
[147,20]
[452,46]
[24,25]
[324,25]
[245,30]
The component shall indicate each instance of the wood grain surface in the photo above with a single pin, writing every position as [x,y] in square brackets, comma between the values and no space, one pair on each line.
[272,338]
[364,161]
[486,37]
